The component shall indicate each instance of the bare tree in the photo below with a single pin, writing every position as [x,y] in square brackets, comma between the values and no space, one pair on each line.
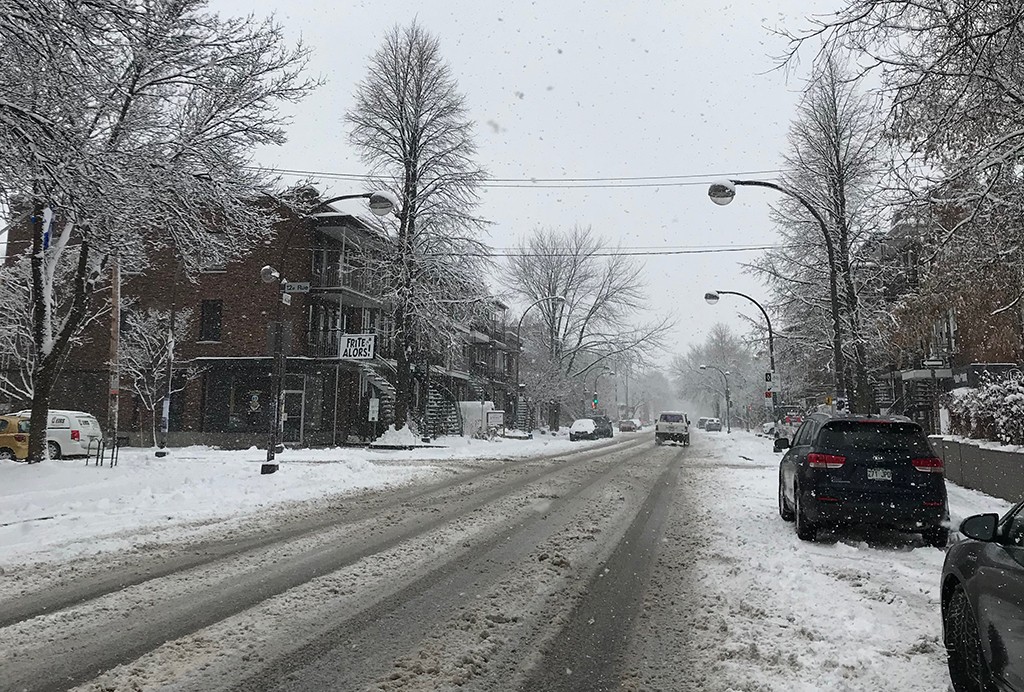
[833,162]
[411,126]
[147,349]
[953,75]
[17,347]
[725,349]
[599,321]
[133,122]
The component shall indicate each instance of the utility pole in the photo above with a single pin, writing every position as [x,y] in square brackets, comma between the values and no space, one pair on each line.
[113,403]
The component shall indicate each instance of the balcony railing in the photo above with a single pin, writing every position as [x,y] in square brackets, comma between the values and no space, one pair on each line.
[325,343]
[336,276]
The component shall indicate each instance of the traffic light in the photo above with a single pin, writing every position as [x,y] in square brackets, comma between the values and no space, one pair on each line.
[594,403]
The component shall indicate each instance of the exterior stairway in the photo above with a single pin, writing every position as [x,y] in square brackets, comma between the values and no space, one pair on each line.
[386,391]
[443,414]
[523,418]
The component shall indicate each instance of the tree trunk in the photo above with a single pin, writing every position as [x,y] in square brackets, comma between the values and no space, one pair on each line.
[42,377]
[403,387]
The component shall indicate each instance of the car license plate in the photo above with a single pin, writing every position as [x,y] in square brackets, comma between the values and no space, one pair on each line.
[879,474]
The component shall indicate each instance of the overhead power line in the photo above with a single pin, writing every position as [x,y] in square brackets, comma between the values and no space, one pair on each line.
[550,183]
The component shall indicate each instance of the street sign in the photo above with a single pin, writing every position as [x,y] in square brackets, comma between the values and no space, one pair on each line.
[374,410]
[286,298]
[770,381]
[296,287]
[934,363]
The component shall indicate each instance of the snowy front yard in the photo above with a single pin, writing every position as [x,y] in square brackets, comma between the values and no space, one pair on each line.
[60,509]
[854,611]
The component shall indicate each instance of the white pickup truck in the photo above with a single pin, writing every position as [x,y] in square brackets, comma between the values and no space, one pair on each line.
[672,426]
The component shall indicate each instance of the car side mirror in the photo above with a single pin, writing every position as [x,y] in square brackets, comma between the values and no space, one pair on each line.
[781,444]
[980,527]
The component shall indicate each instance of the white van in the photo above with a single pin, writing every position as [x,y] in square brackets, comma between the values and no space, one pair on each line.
[70,433]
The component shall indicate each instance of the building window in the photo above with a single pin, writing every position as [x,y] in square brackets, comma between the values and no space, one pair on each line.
[209,324]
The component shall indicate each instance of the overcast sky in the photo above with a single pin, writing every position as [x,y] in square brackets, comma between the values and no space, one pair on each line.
[587,90]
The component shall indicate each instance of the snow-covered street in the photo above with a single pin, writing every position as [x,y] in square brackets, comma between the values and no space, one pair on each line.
[579,567]
[63,509]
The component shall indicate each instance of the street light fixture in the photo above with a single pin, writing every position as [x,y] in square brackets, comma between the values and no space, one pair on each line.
[519,347]
[728,401]
[381,203]
[724,191]
[712,298]
[597,379]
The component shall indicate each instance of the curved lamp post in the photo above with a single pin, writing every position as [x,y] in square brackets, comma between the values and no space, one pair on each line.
[712,298]
[723,192]
[519,344]
[728,401]
[381,203]
[597,378]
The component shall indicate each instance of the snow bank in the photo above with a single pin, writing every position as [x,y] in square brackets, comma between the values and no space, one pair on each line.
[59,509]
[402,437]
[858,610]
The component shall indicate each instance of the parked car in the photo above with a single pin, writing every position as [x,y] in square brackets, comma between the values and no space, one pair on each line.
[713,425]
[583,429]
[69,433]
[701,422]
[841,470]
[628,425]
[672,426]
[983,603]
[604,426]
[13,437]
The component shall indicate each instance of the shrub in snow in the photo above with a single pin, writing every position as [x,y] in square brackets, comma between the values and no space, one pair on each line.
[994,411]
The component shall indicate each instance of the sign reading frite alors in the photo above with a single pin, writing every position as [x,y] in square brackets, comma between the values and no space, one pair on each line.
[357,346]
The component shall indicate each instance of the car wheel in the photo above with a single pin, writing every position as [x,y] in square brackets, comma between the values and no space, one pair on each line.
[937,537]
[805,530]
[968,670]
[657,440]
[52,449]
[686,440]
[6,455]
[784,509]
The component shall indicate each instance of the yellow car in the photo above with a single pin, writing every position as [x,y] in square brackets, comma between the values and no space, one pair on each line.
[13,437]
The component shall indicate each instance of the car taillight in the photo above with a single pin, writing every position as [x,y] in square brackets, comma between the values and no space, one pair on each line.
[76,435]
[825,461]
[19,438]
[928,464]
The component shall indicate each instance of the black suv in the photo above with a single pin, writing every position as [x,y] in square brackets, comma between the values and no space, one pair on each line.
[844,470]
[603,426]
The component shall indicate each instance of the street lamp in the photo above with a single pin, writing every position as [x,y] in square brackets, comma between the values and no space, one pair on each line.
[381,203]
[519,345]
[724,191]
[712,298]
[597,378]
[728,402]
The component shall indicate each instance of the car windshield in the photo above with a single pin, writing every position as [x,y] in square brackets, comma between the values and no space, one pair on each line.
[874,436]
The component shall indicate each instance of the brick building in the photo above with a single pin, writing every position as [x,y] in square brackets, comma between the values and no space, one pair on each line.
[326,392]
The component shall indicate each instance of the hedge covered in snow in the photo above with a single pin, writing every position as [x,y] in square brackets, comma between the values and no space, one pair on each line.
[994,411]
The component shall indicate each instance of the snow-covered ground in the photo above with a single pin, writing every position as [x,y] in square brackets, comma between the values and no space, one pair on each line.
[60,509]
[854,611]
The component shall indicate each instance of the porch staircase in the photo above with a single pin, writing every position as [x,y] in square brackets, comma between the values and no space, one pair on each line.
[477,389]
[444,417]
[523,417]
[386,391]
